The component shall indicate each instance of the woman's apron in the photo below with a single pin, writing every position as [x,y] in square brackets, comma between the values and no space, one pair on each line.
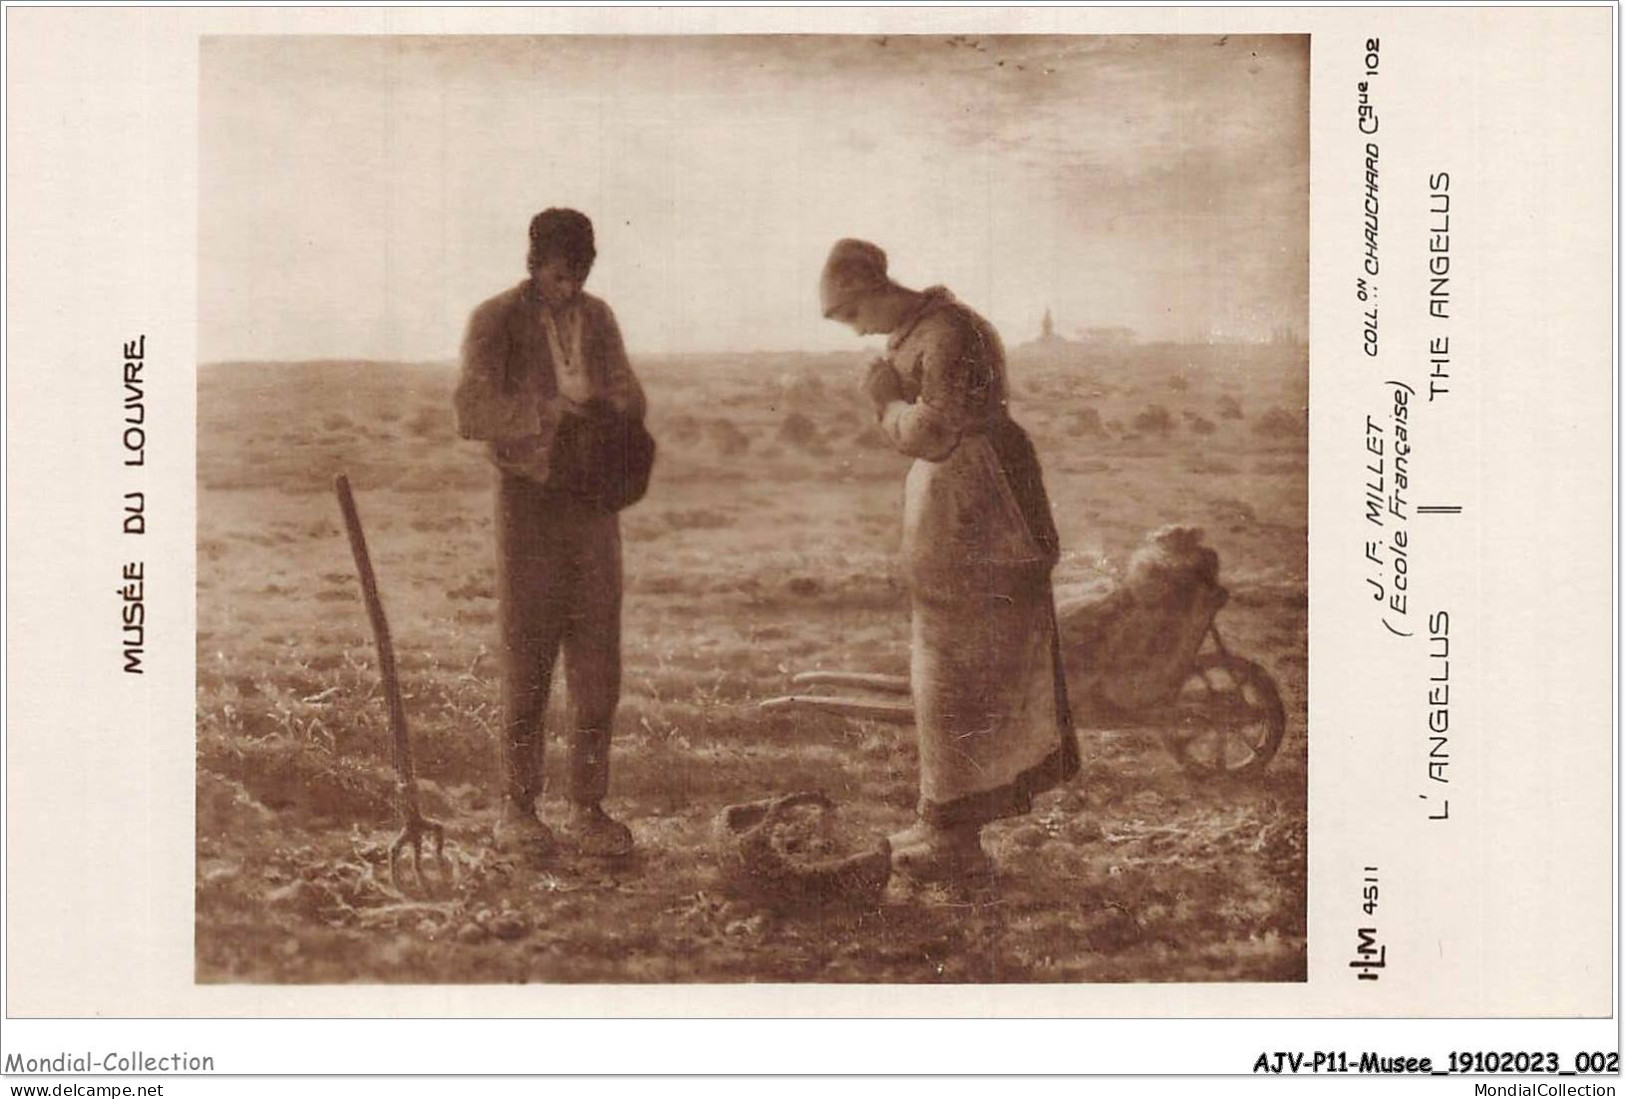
[989,692]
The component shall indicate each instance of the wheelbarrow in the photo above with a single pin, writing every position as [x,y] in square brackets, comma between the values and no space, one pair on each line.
[1143,653]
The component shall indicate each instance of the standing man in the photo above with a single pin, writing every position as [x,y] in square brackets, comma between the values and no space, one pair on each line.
[537,361]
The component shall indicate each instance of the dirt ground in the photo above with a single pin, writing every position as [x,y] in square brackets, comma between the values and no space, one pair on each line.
[767,546]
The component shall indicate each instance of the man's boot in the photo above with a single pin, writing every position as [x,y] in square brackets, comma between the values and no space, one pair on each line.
[597,834]
[521,834]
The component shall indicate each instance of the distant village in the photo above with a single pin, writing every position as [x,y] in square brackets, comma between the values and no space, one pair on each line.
[1107,337]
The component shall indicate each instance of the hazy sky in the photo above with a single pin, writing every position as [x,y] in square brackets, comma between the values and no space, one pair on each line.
[360,195]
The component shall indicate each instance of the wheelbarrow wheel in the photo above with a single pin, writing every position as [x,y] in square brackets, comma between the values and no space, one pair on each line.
[1227,719]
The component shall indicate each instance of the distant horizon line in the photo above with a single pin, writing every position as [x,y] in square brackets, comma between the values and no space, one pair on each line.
[1025,344]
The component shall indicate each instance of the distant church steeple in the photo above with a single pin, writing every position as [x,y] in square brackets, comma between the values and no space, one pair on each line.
[1047,333]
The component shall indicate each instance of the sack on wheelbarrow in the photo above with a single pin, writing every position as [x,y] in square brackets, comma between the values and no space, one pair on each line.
[1130,645]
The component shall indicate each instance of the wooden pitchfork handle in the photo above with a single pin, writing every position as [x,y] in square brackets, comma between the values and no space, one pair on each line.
[407,784]
[414,827]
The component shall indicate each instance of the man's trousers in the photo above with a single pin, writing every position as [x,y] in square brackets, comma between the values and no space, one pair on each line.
[558,589]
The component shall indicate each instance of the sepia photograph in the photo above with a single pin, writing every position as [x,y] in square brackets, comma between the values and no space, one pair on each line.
[786,508]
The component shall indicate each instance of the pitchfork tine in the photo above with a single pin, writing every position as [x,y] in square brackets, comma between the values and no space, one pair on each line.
[438,834]
[395,861]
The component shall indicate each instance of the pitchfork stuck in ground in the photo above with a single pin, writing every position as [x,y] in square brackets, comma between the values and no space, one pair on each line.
[415,827]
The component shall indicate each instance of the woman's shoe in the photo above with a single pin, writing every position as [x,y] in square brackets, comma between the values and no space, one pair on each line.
[928,853]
